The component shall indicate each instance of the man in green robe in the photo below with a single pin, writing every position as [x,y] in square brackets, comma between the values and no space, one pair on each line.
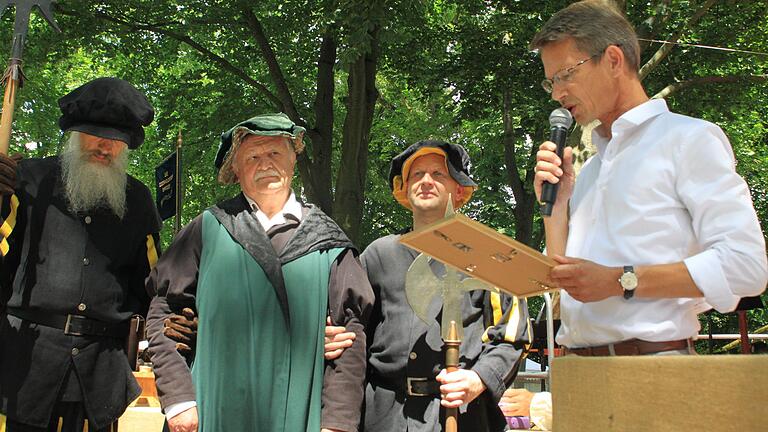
[263,271]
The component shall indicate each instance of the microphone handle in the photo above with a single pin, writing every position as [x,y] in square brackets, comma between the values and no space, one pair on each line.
[549,190]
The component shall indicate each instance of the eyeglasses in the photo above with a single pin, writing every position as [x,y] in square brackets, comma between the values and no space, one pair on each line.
[564,75]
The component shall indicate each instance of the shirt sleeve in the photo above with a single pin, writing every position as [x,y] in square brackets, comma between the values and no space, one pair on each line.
[505,341]
[174,279]
[172,411]
[732,262]
[350,302]
[541,410]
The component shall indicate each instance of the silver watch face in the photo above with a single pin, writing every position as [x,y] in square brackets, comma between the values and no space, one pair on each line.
[628,281]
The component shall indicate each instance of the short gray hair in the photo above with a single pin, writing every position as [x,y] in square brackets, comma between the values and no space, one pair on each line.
[594,25]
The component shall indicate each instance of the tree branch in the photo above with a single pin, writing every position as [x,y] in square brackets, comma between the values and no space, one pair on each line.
[652,25]
[283,93]
[510,160]
[220,61]
[676,87]
[666,49]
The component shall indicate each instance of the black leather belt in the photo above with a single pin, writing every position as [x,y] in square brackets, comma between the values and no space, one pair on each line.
[414,386]
[73,325]
[630,347]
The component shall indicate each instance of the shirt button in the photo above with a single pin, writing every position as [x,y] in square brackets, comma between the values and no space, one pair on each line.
[81,307]
[87,219]
[412,355]
[75,351]
[86,261]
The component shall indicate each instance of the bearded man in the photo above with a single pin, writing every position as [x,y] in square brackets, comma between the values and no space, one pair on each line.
[77,241]
[262,270]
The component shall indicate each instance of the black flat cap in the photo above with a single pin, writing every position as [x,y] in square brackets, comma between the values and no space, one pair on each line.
[108,108]
[457,162]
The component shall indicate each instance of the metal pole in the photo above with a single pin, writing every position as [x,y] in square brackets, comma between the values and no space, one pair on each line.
[550,336]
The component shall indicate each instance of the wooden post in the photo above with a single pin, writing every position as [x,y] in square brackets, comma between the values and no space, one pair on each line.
[9,103]
[178,177]
[452,344]
[746,347]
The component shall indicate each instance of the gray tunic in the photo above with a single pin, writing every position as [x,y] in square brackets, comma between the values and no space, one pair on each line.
[401,346]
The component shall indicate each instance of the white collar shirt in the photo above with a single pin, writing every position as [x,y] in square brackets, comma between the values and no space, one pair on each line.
[291,207]
[662,189]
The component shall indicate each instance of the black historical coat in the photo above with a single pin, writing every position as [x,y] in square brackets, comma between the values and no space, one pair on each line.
[90,264]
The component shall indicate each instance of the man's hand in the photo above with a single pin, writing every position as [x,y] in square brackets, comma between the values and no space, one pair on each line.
[8,166]
[186,421]
[330,430]
[516,402]
[552,169]
[336,340]
[584,280]
[182,329]
[459,387]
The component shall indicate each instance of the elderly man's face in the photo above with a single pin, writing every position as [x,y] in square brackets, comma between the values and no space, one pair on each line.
[430,183]
[100,150]
[264,165]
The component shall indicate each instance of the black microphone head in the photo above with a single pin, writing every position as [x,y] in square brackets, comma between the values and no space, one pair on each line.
[561,117]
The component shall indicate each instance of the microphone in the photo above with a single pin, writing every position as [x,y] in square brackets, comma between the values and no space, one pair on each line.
[559,122]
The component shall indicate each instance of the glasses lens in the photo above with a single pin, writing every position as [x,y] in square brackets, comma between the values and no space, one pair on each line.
[547,85]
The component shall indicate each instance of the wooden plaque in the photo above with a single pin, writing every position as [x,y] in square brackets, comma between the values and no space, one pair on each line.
[485,254]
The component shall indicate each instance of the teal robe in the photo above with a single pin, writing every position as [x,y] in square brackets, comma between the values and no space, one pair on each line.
[270,378]
[262,302]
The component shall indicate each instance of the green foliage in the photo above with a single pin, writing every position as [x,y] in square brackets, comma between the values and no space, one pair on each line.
[444,69]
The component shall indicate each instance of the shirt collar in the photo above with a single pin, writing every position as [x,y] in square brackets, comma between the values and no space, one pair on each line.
[291,207]
[630,119]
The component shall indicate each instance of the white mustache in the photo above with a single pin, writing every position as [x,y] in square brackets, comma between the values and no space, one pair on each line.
[266,173]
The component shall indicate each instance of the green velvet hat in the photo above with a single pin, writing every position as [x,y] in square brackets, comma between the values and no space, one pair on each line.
[277,124]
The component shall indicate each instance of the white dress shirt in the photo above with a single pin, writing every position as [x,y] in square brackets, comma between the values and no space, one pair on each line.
[662,190]
[292,207]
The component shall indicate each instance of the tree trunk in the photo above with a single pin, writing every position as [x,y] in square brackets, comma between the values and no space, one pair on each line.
[350,182]
[524,199]
[316,172]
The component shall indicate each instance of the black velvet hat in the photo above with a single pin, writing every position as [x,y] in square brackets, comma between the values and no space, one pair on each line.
[108,108]
[456,160]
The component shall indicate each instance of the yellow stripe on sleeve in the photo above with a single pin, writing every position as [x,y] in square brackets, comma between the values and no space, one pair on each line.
[2,423]
[496,306]
[10,222]
[510,329]
[7,227]
[151,251]
[510,333]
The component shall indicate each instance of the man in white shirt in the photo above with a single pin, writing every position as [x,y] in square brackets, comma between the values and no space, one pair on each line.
[658,227]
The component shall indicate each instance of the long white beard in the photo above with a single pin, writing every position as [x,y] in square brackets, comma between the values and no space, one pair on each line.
[90,185]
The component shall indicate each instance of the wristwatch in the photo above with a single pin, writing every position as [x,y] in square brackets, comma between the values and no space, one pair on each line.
[628,281]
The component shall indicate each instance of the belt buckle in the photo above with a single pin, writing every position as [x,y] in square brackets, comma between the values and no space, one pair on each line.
[409,389]
[67,331]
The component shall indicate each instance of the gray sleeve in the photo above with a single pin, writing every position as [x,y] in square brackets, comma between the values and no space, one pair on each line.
[350,300]
[174,279]
[506,339]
